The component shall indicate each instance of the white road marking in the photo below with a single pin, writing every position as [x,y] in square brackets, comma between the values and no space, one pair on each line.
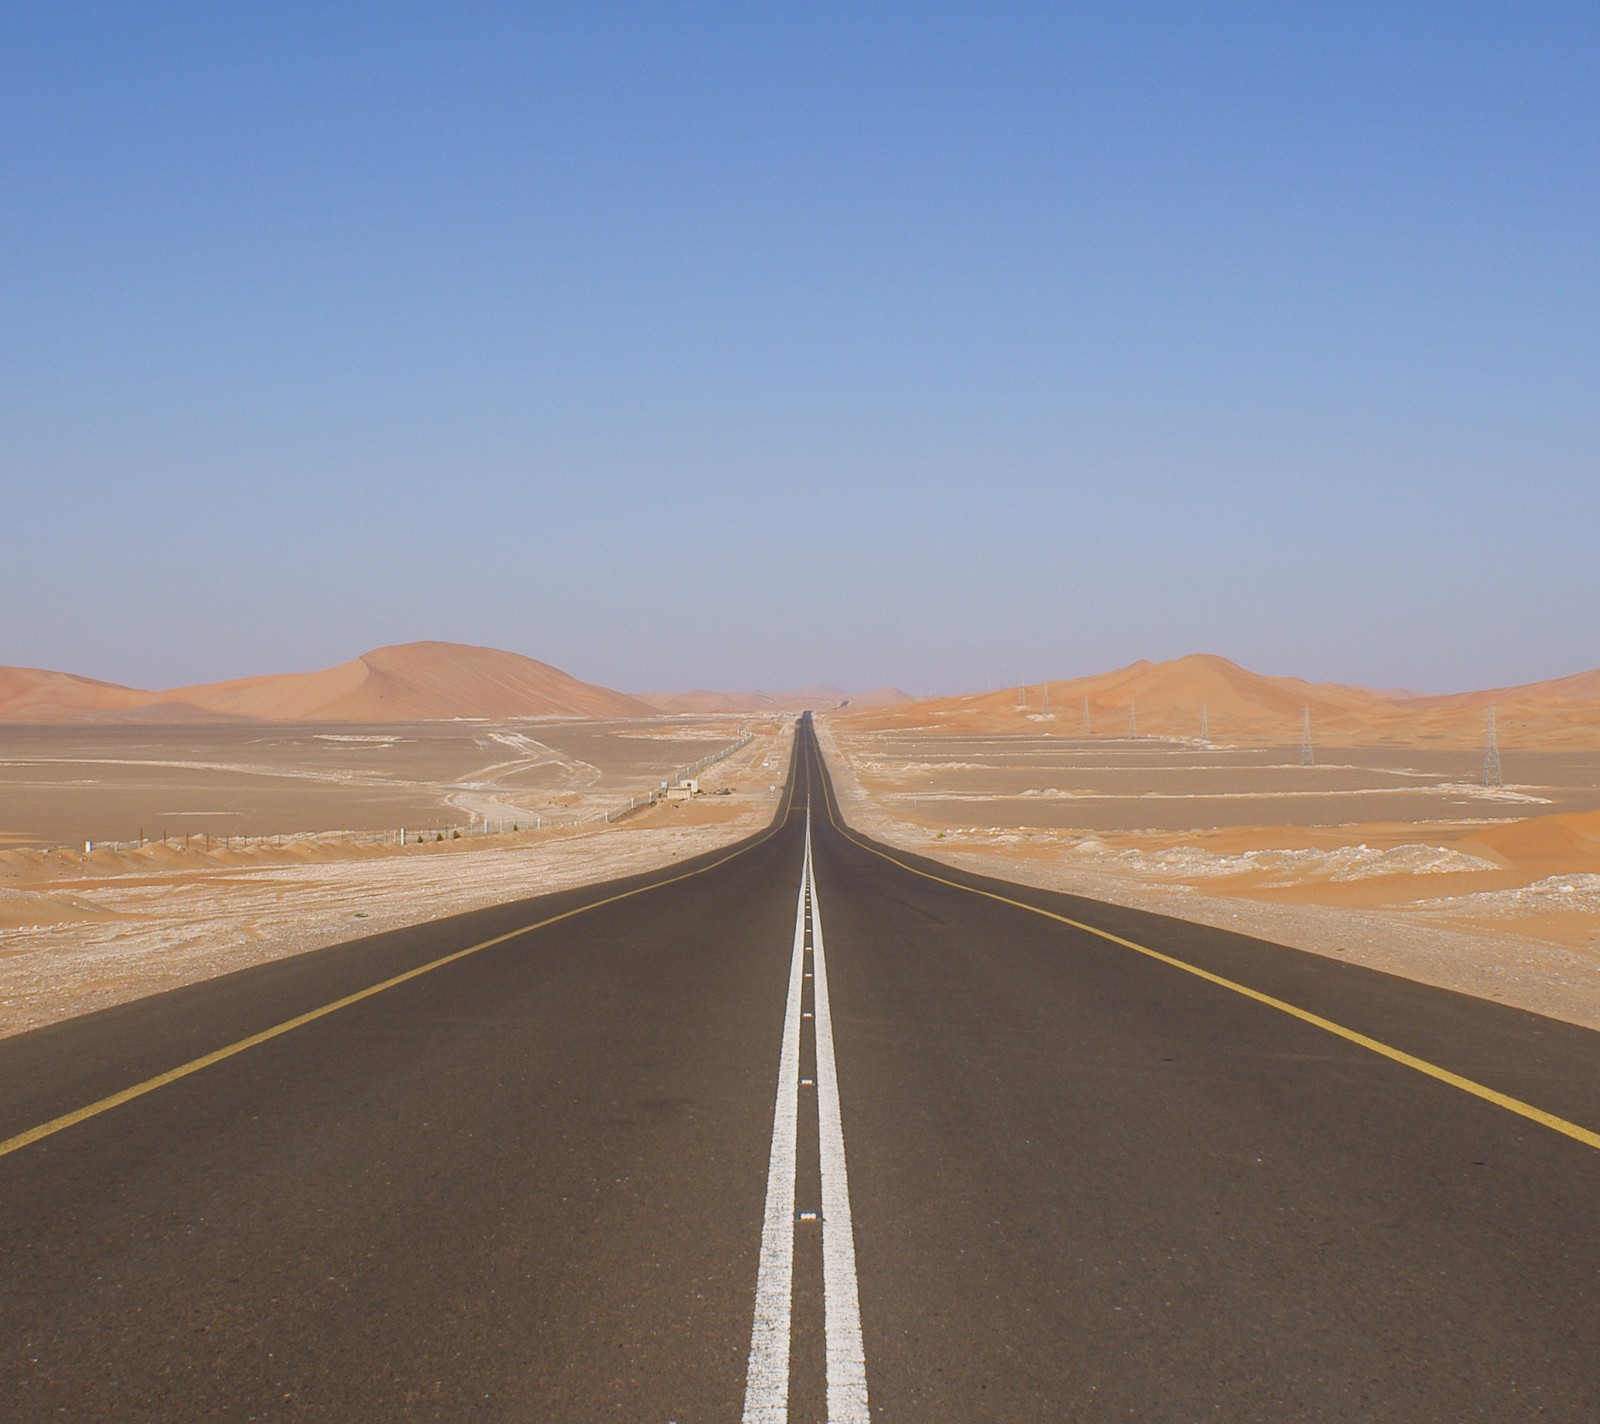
[766,1398]
[847,1363]
[766,1389]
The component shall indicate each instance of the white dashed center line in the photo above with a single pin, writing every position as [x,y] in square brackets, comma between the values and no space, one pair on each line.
[766,1397]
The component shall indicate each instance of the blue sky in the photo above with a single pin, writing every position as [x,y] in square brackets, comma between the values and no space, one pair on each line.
[753,345]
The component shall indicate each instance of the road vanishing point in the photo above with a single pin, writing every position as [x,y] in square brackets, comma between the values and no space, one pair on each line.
[808,1129]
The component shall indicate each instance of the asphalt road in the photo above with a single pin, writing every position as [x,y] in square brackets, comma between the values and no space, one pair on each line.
[783,1127]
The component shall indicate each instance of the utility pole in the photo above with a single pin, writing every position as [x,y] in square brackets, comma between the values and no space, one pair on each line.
[1088,726]
[1133,720]
[1044,688]
[1307,756]
[1205,724]
[1491,755]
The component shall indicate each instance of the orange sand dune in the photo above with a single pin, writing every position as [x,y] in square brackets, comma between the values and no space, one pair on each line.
[1580,687]
[797,699]
[1169,698]
[1560,844]
[413,682]
[34,695]
[409,682]
[1555,844]
[704,699]
[880,697]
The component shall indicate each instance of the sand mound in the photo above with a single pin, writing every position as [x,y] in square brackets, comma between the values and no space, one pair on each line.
[1169,698]
[408,682]
[1550,843]
[880,697]
[702,699]
[797,699]
[35,695]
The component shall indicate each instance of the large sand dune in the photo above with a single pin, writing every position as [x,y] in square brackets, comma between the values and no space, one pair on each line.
[426,681]
[1170,698]
[36,695]
[410,682]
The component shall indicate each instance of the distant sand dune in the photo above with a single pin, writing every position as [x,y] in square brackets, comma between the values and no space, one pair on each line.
[797,699]
[427,681]
[35,695]
[406,683]
[1239,705]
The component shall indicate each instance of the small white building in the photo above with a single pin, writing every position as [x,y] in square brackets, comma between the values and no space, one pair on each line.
[683,790]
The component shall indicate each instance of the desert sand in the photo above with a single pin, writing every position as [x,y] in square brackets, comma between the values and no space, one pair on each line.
[1170,699]
[405,683]
[797,699]
[151,838]
[1390,850]
[408,682]
[198,782]
[83,932]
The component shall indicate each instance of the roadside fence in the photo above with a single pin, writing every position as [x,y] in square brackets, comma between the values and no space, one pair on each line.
[616,813]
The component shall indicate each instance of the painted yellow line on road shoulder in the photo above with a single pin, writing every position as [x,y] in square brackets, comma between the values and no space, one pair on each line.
[1338,1030]
[195,1065]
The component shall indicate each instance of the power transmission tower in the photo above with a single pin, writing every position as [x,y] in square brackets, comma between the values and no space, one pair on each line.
[1133,721]
[1022,694]
[1307,756]
[1088,726]
[1205,724]
[1044,688]
[1491,755]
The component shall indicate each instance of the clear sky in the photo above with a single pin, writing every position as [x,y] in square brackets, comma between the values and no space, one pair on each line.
[754,345]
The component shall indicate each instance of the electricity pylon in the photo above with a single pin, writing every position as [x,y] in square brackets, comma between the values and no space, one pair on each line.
[1088,726]
[1491,755]
[1133,721]
[1307,756]
[1205,724]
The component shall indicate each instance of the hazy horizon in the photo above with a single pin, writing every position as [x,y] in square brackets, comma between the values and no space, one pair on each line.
[997,685]
[858,346]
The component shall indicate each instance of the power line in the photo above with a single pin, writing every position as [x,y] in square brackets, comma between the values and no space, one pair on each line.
[1491,755]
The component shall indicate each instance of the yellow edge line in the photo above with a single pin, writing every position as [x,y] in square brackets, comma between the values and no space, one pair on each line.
[172,1075]
[1338,1030]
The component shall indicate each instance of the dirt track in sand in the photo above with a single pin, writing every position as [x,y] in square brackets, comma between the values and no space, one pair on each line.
[64,785]
[76,936]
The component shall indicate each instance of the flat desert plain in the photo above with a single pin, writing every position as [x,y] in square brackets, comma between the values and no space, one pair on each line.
[1397,856]
[64,785]
[280,838]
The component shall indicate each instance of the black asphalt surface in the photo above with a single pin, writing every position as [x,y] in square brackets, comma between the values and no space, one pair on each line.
[529,1185]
